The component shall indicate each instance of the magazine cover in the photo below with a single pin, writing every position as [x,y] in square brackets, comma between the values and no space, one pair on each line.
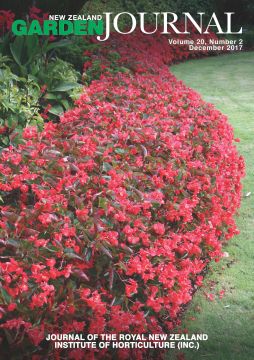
[126,180]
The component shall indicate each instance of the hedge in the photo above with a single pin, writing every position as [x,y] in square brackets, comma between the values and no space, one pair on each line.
[110,217]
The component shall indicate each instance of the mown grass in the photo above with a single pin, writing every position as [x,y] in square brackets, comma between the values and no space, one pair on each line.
[228,82]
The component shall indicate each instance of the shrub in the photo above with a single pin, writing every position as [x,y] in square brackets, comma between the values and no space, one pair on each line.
[19,104]
[247,38]
[75,53]
[62,86]
[110,217]
[37,84]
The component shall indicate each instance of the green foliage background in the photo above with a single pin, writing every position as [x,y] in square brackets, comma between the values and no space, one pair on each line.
[243,8]
[149,6]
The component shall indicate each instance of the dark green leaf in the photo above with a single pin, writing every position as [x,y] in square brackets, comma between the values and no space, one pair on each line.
[71,255]
[50,96]
[102,203]
[119,151]
[18,49]
[106,166]
[65,104]
[58,44]
[56,110]
[6,297]
[12,242]
[66,86]
[33,48]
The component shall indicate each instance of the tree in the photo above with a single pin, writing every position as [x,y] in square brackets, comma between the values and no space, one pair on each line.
[20,8]
[243,9]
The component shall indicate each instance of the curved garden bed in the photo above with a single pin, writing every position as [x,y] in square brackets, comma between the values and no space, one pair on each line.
[110,216]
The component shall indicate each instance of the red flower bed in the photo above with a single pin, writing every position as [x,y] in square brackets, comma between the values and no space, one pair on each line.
[110,216]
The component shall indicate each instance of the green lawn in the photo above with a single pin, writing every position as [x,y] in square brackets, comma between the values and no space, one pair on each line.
[228,82]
